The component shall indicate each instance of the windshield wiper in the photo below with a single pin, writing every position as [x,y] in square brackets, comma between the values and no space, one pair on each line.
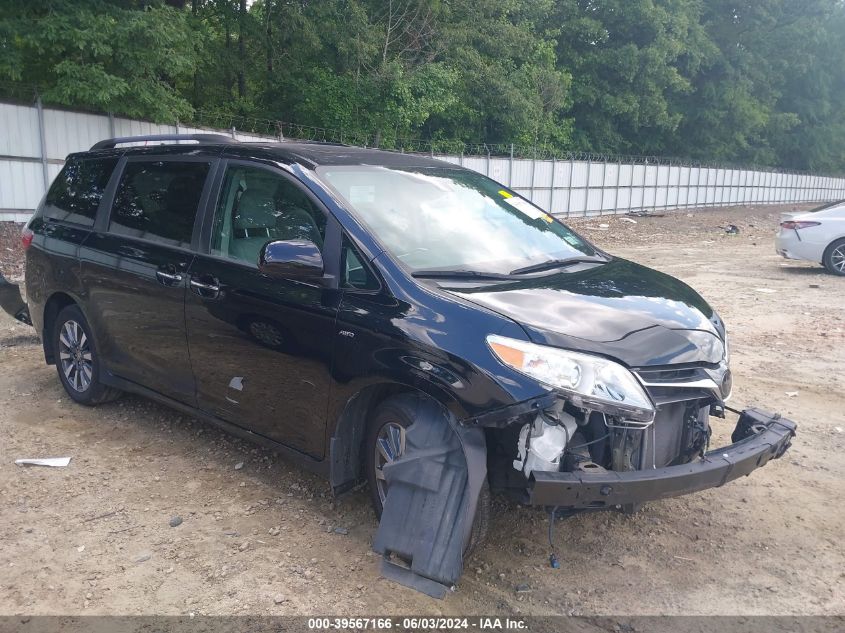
[457,274]
[557,263]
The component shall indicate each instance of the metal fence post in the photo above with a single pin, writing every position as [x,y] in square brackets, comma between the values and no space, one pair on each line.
[645,178]
[729,184]
[533,169]
[697,184]
[510,169]
[678,187]
[720,188]
[42,140]
[603,179]
[587,185]
[668,181]
[569,186]
[616,188]
[487,166]
[111,125]
[552,188]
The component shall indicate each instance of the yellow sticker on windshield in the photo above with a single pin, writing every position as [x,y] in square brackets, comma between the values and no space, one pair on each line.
[525,208]
[505,194]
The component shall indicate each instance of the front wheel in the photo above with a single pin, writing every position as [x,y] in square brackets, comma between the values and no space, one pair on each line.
[834,257]
[386,443]
[76,359]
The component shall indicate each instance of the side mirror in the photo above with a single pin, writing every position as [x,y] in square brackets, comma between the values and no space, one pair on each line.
[291,259]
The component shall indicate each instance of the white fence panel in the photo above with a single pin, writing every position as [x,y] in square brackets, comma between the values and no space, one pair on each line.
[21,185]
[73,131]
[566,186]
[19,132]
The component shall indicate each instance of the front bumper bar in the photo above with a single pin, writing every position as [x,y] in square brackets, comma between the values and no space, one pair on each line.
[758,437]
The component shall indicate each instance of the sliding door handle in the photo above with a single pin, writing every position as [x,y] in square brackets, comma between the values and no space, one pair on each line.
[168,279]
[198,285]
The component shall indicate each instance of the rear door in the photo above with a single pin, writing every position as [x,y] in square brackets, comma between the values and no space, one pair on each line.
[261,348]
[135,267]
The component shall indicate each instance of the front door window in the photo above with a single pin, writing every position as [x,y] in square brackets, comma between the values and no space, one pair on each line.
[257,206]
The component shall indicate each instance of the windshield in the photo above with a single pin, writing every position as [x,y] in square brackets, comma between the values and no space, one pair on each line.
[440,218]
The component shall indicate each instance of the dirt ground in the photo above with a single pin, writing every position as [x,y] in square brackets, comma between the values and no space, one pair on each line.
[260,536]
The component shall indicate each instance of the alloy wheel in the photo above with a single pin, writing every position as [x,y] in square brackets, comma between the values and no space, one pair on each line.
[390,445]
[837,258]
[75,356]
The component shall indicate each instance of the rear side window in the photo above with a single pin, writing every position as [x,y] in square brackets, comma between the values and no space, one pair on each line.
[159,200]
[76,192]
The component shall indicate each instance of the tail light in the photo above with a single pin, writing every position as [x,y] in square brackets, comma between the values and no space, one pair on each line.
[26,237]
[792,224]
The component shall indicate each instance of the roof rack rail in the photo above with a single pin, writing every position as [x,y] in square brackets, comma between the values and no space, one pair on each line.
[202,138]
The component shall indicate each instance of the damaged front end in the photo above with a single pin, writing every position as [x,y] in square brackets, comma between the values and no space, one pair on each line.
[615,437]
[575,459]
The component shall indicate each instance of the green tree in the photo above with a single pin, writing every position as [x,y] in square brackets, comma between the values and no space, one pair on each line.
[630,61]
[126,57]
[743,105]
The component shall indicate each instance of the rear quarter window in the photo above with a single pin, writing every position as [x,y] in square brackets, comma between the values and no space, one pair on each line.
[158,200]
[76,192]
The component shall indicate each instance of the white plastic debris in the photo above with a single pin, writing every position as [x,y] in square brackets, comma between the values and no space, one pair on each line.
[765,290]
[631,220]
[56,462]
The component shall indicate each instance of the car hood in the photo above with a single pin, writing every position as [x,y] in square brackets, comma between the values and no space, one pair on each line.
[620,309]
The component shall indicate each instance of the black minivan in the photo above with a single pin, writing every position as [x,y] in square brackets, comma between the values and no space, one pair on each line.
[385,318]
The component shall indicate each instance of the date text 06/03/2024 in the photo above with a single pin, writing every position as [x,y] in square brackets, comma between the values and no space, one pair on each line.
[418,623]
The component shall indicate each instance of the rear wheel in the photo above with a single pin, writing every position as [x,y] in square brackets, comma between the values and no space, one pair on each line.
[834,257]
[76,359]
[386,443]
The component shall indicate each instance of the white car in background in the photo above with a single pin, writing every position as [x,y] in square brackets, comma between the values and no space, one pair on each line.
[817,236]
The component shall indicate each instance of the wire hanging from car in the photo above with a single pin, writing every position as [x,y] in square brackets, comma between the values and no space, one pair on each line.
[603,437]
[553,560]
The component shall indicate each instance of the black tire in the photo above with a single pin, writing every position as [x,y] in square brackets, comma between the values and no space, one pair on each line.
[400,410]
[77,361]
[834,257]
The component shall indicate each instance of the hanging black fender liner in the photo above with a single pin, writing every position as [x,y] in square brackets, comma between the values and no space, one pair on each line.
[431,500]
[11,301]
